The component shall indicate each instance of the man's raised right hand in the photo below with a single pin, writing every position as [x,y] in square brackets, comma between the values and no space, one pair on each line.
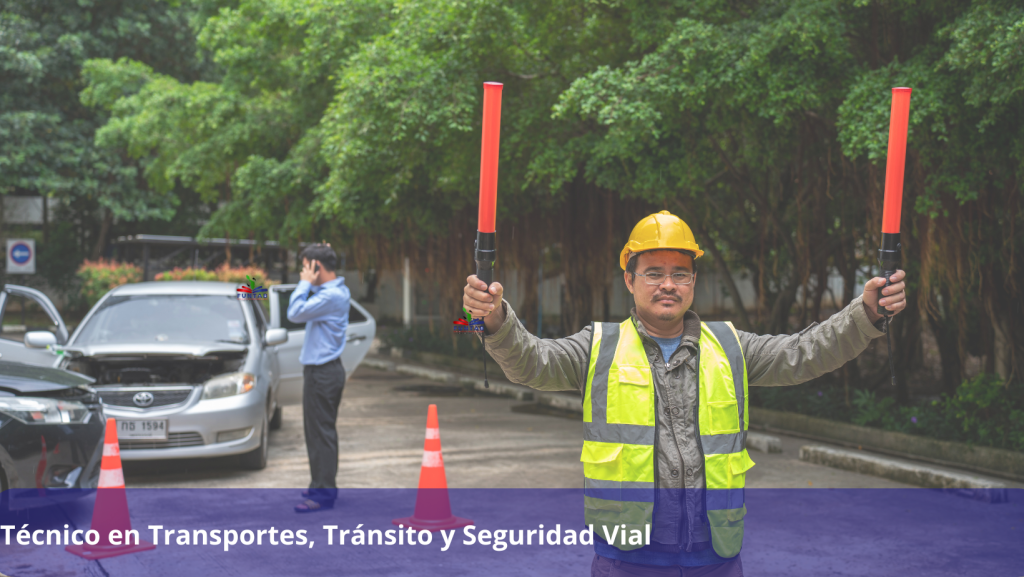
[484,302]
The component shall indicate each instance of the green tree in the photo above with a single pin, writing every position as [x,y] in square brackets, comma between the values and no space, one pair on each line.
[46,134]
[248,140]
[763,124]
[966,177]
[767,128]
[402,137]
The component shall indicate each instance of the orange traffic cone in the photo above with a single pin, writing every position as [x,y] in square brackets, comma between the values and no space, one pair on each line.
[111,509]
[433,511]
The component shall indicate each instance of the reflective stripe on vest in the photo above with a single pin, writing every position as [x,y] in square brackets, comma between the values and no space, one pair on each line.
[620,420]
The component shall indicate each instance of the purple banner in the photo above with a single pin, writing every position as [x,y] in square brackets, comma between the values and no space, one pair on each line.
[200,532]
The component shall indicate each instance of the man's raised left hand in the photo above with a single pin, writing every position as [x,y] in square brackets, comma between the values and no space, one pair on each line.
[894,297]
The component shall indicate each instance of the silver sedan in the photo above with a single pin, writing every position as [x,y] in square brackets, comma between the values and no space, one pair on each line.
[188,369]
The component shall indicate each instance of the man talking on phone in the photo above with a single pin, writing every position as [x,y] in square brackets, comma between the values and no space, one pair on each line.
[321,300]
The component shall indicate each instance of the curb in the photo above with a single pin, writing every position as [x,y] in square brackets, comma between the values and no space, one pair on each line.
[911,473]
[500,388]
[906,472]
[763,443]
[562,401]
[984,460]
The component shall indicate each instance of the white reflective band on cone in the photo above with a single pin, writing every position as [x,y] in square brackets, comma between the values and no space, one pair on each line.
[111,450]
[432,459]
[111,479]
[433,433]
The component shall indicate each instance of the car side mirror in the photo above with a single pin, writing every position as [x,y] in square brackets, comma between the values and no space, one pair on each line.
[40,339]
[276,337]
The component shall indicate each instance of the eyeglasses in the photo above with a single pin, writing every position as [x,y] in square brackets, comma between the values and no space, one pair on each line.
[656,278]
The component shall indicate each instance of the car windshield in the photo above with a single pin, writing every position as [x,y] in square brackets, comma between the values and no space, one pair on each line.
[166,319]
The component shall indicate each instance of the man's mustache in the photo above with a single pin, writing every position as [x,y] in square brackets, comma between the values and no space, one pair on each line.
[668,295]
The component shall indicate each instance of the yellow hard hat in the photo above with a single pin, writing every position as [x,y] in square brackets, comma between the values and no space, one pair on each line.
[659,231]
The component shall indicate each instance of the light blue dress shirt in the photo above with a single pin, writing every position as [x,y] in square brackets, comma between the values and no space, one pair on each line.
[326,316]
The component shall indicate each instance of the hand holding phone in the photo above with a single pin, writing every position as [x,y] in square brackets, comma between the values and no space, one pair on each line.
[310,271]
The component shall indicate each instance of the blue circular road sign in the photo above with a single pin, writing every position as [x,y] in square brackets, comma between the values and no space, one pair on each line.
[21,253]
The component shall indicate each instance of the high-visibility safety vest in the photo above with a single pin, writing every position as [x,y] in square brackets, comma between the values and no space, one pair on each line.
[620,416]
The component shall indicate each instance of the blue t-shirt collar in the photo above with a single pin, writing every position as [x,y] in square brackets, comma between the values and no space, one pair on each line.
[331,283]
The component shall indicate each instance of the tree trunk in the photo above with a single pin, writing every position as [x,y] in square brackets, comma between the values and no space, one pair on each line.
[606,304]
[908,350]
[949,352]
[101,238]
[46,220]
[734,291]
[3,237]
[723,269]
[1006,315]
[778,324]
[584,247]
[1002,354]
[848,270]
[819,294]
[371,286]
[527,311]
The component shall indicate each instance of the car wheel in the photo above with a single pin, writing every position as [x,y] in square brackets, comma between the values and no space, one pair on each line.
[256,459]
[277,420]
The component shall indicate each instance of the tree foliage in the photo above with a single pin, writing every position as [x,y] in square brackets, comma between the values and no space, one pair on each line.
[764,124]
[247,140]
[46,135]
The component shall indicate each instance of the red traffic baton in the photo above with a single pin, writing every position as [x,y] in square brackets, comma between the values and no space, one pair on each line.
[889,254]
[895,163]
[485,251]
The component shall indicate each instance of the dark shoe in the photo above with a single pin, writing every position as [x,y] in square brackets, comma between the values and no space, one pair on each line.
[309,494]
[311,506]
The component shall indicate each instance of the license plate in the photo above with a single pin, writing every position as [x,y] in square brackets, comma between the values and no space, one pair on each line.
[153,430]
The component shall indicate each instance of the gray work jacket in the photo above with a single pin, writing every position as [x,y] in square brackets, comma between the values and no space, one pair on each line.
[772,360]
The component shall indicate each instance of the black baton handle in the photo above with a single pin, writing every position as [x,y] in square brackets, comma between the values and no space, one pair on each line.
[889,258]
[484,256]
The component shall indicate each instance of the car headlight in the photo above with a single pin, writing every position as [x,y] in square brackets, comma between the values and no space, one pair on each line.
[228,385]
[42,411]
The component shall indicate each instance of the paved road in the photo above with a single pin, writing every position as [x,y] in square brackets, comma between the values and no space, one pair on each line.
[488,442]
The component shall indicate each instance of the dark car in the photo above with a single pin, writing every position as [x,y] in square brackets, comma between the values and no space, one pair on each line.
[51,435]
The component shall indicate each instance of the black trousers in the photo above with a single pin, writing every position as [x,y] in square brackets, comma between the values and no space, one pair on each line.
[322,386]
[605,567]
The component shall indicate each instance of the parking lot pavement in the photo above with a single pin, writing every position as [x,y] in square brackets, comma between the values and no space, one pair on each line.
[381,429]
[488,441]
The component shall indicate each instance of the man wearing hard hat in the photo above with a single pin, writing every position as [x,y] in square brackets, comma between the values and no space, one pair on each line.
[665,404]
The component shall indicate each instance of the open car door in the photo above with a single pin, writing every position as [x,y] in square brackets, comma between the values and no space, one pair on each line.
[361,329]
[23,310]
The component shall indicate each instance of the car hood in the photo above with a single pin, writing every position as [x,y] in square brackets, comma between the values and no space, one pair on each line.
[155,349]
[22,379]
